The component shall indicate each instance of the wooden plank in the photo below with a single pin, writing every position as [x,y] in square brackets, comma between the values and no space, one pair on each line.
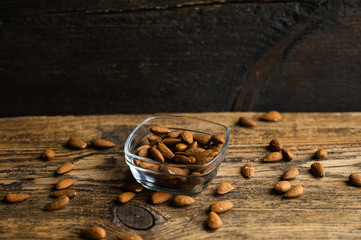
[329,207]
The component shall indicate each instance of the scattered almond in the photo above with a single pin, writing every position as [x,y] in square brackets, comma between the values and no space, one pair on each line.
[221,206]
[65,168]
[320,154]
[290,173]
[182,200]
[287,154]
[273,157]
[317,169]
[282,186]
[246,122]
[158,130]
[187,136]
[126,197]
[101,143]
[248,170]
[67,192]
[355,179]
[218,139]
[59,203]
[76,143]
[214,221]
[48,154]
[64,183]
[224,187]
[16,197]
[95,233]
[271,116]
[294,192]
[133,187]
[160,197]
[275,145]
[129,236]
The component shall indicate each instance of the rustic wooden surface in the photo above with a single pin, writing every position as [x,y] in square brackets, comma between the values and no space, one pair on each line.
[80,57]
[329,207]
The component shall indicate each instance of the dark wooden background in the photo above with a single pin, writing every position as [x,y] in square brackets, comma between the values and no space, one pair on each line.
[98,57]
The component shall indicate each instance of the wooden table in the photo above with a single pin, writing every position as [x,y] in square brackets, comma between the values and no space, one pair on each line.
[329,208]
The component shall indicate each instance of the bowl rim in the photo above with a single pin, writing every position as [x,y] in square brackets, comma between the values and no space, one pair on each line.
[131,155]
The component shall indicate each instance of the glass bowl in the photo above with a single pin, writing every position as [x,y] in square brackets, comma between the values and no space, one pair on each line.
[176,178]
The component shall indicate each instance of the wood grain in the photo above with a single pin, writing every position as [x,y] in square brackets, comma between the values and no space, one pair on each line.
[329,207]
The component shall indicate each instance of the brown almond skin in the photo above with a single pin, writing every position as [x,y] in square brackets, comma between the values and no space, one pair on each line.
[64,183]
[294,192]
[76,143]
[182,201]
[282,186]
[65,168]
[129,236]
[214,221]
[187,136]
[246,122]
[170,142]
[275,145]
[133,187]
[287,154]
[180,147]
[273,157]
[102,144]
[317,169]
[165,151]
[48,155]
[16,197]
[126,197]
[202,140]
[160,197]
[320,154]
[159,130]
[156,154]
[67,192]
[248,170]
[290,173]
[221,206]
[224,187]
[218,139]
[271,116]
[95,233]
[59,203]
[355,179]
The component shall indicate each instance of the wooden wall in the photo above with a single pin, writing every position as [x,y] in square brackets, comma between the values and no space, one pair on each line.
[99,57]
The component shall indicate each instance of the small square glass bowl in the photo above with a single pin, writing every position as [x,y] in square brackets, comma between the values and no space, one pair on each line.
[178,178]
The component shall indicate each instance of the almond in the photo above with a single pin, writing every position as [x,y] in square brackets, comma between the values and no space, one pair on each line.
[76,143]
[133,187]
[48,154]
[294,192]
[171,141]
[160,197]
[148,165]
[221,206]
[142,151]
[273,157]
[59,203]
[194,151]
[290,173]
[214,221]
[204,157]
[174,134]
[165,151]
[215,147]
[129,236]
[95,233]
[218,139]
[154,138]
[320,154]
[248,170]
[202,140]
[187,136]
[224,187]
[158,130]
[287,154]
[67,192]
[355,179]
[246,122]
[317,169]
[180,147]
[182,200]
[16,197]
[156,154]
[65,168]
[101,143]
[64,183]
[126,197]
[271,116]
[184,159]
[282,186]
[275,145]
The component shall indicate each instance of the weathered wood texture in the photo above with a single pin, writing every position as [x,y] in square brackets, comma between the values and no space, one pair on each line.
[81,57]
[329,207]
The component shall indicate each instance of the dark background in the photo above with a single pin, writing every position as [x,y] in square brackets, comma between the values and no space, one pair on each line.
[100,57]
